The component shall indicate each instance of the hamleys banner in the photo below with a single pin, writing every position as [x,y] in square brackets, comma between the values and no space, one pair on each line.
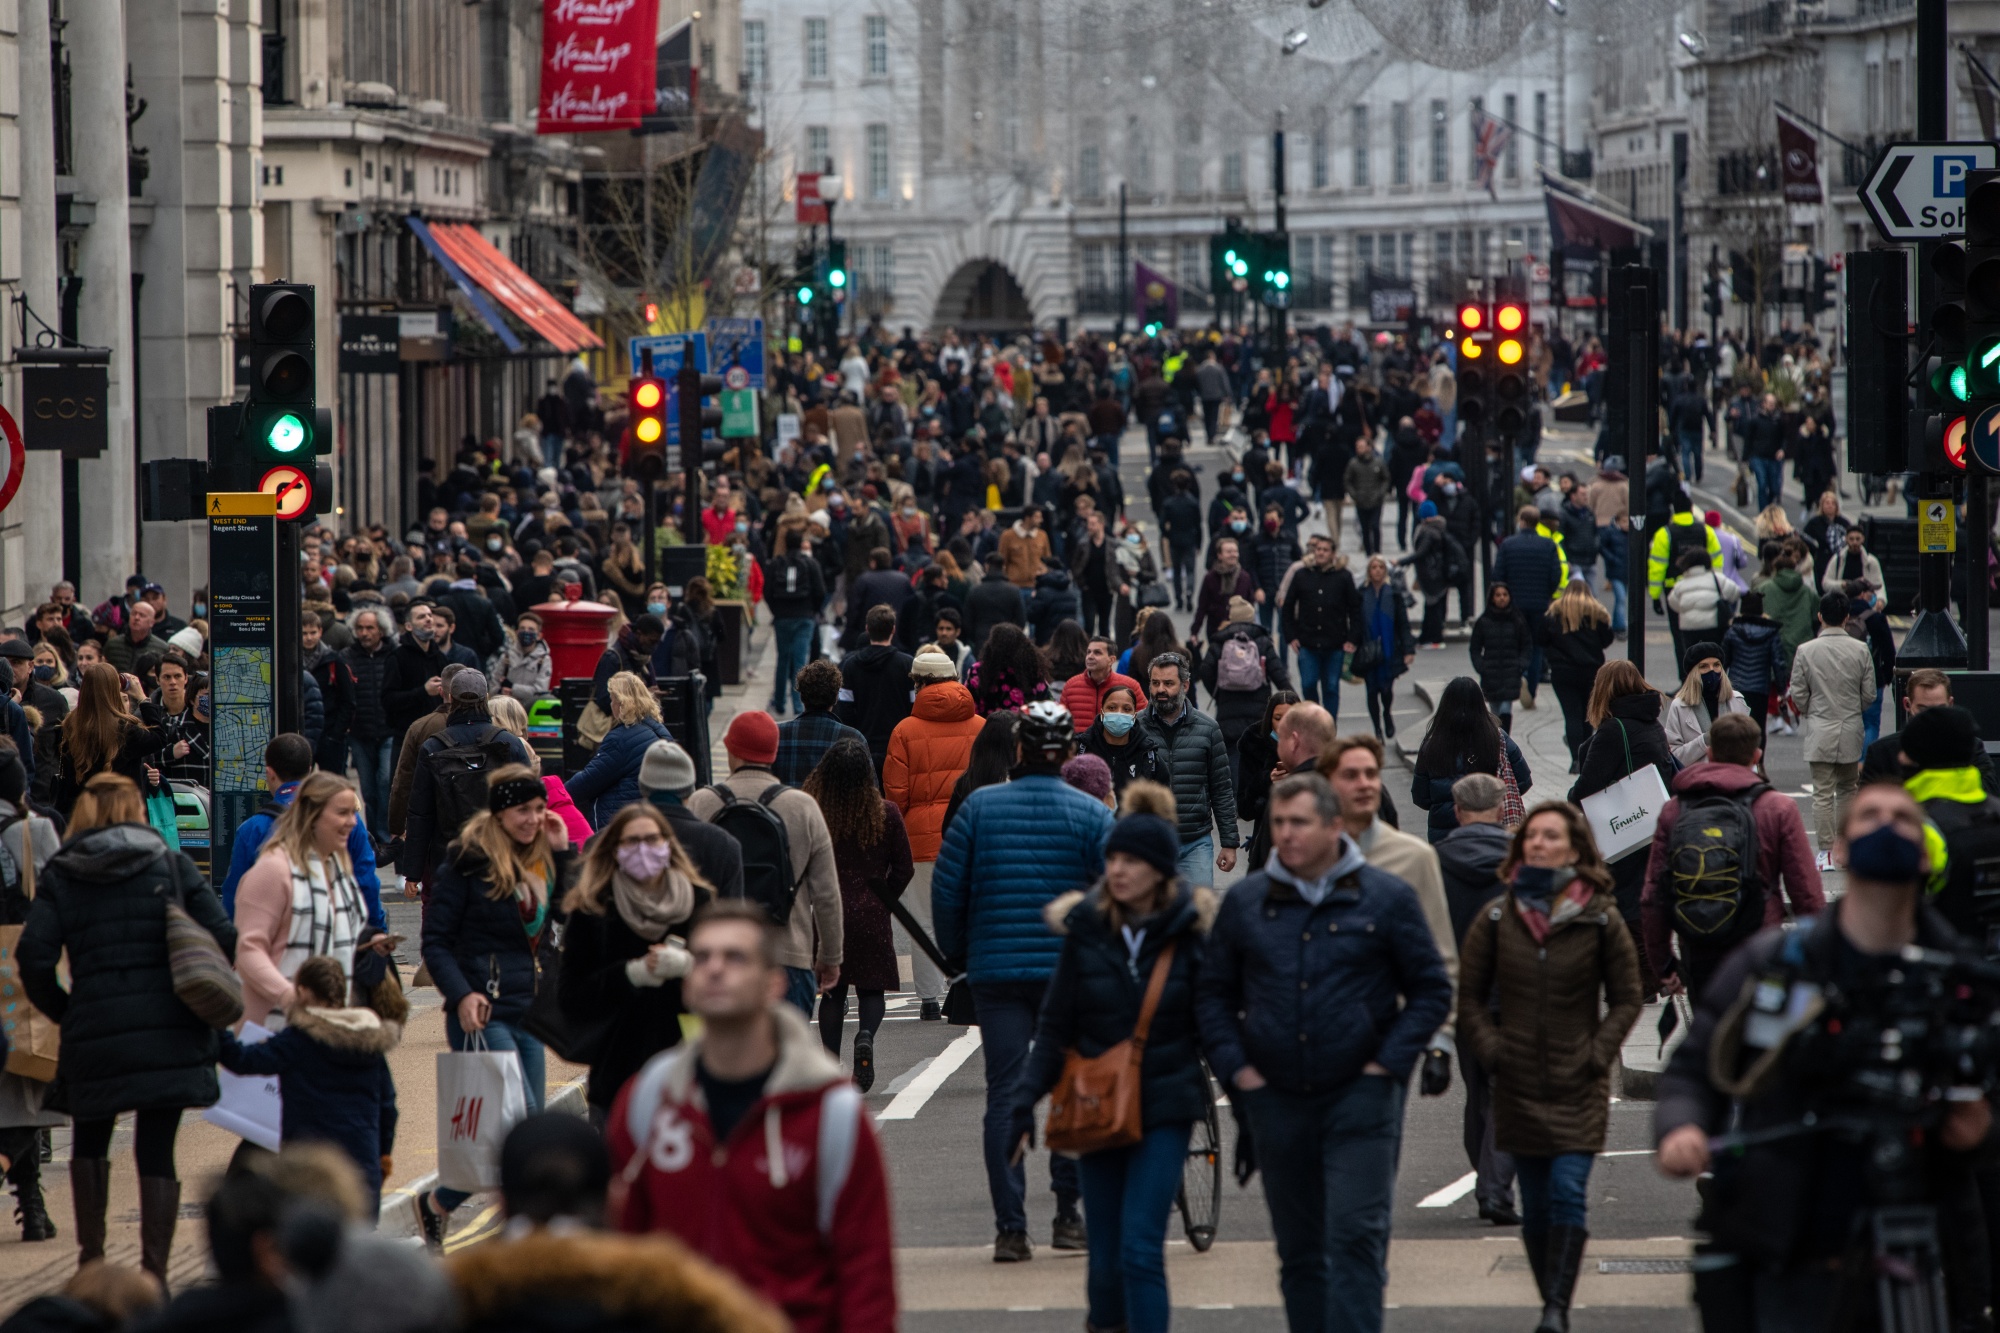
[597,64]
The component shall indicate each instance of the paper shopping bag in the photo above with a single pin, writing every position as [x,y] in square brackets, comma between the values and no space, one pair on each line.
[481,1095]
[1623,816]
[251,1107]
[32,1039]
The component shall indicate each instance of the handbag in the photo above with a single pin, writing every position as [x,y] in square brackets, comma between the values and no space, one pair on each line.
[203,979]
[162,815]
[252,1106]
[580,1043]
[1623,816]
[1513,810]
[1367,656]
[593,725]
[33,1040]
[1095,1103]
[1155,593]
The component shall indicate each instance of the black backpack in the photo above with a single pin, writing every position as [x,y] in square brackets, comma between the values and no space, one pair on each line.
[459,776]
[1711,867]
[767,849]
[1682,539]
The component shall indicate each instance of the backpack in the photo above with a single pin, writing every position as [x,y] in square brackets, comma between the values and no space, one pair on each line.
[767,848]
[1711,867]
[1240,666]
[1681,539]
[459,776]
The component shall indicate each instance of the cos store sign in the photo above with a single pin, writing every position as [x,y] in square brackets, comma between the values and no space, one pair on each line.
[65,408]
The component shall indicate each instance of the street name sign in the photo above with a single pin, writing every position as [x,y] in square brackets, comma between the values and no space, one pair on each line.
[1917,190]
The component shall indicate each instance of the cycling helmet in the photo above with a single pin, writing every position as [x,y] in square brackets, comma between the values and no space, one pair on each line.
[1046,726]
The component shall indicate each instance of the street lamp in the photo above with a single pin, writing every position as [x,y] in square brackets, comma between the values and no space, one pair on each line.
[829,195]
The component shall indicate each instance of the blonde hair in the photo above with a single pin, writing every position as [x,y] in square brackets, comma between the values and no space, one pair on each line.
[600,859]
[509,865]
[292,830]
[507,711]
[1577,607]
[631,700]
[108,798]
[1690,690]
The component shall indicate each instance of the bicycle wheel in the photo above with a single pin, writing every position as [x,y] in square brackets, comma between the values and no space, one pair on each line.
[1200,1198]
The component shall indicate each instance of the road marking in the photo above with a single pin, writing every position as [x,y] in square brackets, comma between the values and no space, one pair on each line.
[1628,1152]
[908,1076]
[912,1098]
[1451,1193]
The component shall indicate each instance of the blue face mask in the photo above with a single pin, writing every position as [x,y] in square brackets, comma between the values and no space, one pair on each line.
[1885,856]
[1118,724]
[44,673]
[657,608]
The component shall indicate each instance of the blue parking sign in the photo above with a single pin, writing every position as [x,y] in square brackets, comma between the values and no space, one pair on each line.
[734,341]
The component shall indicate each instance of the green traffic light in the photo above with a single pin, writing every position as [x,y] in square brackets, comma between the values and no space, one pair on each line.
[805,296]
[286,435]
[837,278]
[1958,386]
[1281,279]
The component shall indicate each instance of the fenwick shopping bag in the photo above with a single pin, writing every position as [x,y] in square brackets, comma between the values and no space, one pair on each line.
[1623,816]
[480,1097]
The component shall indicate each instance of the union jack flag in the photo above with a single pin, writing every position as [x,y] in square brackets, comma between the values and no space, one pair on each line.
[1490,137]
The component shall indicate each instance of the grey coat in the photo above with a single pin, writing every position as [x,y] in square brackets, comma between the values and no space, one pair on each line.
[1833,681]
[1199,761]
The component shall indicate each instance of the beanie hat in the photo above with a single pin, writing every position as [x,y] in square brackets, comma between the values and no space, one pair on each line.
[1713,518]
[1089,775]
[931,664]
[1696,653]
[14,775]
[752,737]
[1428,509]
[1945,737]
[1240,609]
[1151,839]
[188,640]
[666,767]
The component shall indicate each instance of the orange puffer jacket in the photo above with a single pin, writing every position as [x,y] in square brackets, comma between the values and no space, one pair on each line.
[927,751]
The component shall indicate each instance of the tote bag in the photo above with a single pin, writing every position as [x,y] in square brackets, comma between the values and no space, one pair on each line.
[1623,816]
[480,1096]
[161,814]
[250,1107]
[1095,1103]
[33,1040]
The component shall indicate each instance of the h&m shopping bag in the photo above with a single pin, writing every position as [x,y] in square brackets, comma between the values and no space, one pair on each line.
[481,1095]
[1623,816]
[250,1107]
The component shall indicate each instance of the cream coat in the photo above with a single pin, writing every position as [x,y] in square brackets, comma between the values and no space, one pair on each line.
[1833,680]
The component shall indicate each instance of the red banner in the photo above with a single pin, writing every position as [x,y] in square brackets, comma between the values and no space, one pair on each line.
[1798,149]
[597,64]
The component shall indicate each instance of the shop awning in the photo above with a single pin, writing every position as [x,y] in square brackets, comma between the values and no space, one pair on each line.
[521,294]
[473,293]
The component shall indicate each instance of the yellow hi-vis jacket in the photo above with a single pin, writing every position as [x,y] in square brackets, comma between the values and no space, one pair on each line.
[1658,577]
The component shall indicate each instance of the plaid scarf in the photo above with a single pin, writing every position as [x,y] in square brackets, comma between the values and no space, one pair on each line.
[327,915]
[1541,906]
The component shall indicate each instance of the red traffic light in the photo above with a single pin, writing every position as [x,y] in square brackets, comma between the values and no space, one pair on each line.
[646,395]
[1471,316]
[1511,317]
[645,402]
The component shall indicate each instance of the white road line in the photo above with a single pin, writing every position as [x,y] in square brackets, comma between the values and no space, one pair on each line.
[1451,1193]
[912,1098]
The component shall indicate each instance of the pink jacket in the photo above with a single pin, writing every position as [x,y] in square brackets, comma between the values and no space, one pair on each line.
[572,818]
[263,924]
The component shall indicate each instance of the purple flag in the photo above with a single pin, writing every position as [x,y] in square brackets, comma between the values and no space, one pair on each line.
[1151,288]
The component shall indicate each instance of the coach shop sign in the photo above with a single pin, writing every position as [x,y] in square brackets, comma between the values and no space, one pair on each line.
[63,396]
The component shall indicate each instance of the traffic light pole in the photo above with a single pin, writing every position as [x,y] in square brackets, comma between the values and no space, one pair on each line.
[288,665]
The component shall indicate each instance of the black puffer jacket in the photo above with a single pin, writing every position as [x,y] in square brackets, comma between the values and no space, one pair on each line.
[472,938]
[1142,756]
[1322,608]
[1199,761]
[128,1043]
[370,720]
[1238,710]
[1577,655]
[1499,649]
[1094,997]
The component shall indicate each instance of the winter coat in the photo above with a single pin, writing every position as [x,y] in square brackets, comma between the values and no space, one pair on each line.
[1094,998]
[1501,642]
[794,587]
[1383,617]
[1531,566]
[1180,522]
[1634,720]
[1022,553]
[610,781]
[1438,558]
[1143,755]
[404,699]
[813,935]
[1053,601]
[1833,682]
[1791,602]
[1009,850]
[1837,571]
[1704,601]
[138,746]
[128,1043]
[1686,728]
[1308,994]
[994,600]
[875,694]
[370,719]
[1574,656]
[1322,608]
[336,690]
[1753,654]
[546,1281]
[1872,628]
[1785,863]
[1236,710]
[592,985]
[473,941]
[1197,756]
[1579,529]
[526,671]
[1432,791]
[1211,608]
[868,945]
[1564,1007]
[333,1073]
[1366,481]
[1268,555]
[927,752]
[1469,858]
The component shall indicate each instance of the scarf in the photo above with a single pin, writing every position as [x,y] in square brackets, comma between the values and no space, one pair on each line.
[649,911]
[1541,907]
[531,899]
[327,915]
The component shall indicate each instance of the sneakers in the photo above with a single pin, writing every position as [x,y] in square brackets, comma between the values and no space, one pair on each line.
[864,1060]
[1067,1233]
[931,1012]
[1012,1247]
[430,1223]
[1824,861]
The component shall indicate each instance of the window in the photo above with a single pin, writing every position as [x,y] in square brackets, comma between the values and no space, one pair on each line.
[1541,125]
[816,65]
[1510,156]
[884,279]
[756,61]
[1192,264]
[819,149]
[1232,172]
[1090,172]
[1305,260]
[1361,147]
[1321,175]
[1364,254]
[1187,157]
[1407,265]
[878,46]
[1399,141]
[878,161]
[1873,94]
[1440,142]
[1892,96]
[1093,268]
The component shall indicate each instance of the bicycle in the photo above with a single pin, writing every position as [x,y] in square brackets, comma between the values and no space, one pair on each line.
[1200,1196]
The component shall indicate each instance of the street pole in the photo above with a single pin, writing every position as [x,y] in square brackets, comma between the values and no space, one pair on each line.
[1124,268]
[1278,216]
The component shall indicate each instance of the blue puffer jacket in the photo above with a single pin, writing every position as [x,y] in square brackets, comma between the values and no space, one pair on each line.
[1309,995]
[1010,849]
[1753,654]
[610,781]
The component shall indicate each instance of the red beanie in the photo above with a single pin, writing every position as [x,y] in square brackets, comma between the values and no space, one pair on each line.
[1713,518]
[752,737]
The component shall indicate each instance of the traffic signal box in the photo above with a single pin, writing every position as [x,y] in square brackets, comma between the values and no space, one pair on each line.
[1977,383]
[280,433]
[1493,384]
[693,390]
[646,427]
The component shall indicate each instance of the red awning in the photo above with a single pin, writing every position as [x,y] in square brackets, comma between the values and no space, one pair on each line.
[521,294]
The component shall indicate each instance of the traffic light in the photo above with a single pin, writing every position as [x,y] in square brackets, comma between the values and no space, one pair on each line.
[692,389]
[1822,289]
[1980,383]
[836,265]
[1476,360]
[280,431]
[1508,375]
[646,427]
[1274,268]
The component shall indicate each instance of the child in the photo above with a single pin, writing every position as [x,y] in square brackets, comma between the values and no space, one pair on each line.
[333,1071]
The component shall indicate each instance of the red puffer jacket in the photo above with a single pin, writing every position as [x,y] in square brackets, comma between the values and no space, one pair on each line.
[1081,696]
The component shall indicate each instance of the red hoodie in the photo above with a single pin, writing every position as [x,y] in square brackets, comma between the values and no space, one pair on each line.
[795,1203]
[1782,852]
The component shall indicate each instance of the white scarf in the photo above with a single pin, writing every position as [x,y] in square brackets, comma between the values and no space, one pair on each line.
[327,915]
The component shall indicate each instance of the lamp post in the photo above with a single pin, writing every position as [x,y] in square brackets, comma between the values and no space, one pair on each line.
[829,194]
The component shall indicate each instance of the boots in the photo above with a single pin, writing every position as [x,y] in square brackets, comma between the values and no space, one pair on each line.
[1536,1243]
[90,1192]
[1564,1261]
[29,1210]
[159,1213]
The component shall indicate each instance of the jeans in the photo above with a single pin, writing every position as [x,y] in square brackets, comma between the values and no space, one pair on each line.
[500,1036]
[1329,1164]
[1187,583]
[375,765]
[1129,1193]
[802,990]
[1833,788]
[1555,1191]
[552,449]
[794,642]
[1871,720]
[1319,677]
[1109,444]
[1007,1012]
[1770,474]
[1618,599]
[1690,442]
[1197,864]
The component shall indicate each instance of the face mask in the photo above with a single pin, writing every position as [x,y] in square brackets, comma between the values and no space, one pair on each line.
[1118,724]
[495,544]
[1270,525]
[742,526]
[910,512]
[1884,855]
[656,608]
[1451,488]
[644,860]
[422,633]
[1134,539]
[1236,477]
[44,674]
[201,708]
[527,638]
[1238,525]
[1711,682]
[201,610]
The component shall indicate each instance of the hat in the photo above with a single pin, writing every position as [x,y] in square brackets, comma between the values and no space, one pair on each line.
[1150,838]
[14,775]
[552,1146]
[1713,518]
[1240,609]
[17,649]
[817,518]
[666,767]
[1089,775]
[752,737]
[931,664]
[1945,737]
[469,685]
[1698,652]
[188,639]
[1428,509]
